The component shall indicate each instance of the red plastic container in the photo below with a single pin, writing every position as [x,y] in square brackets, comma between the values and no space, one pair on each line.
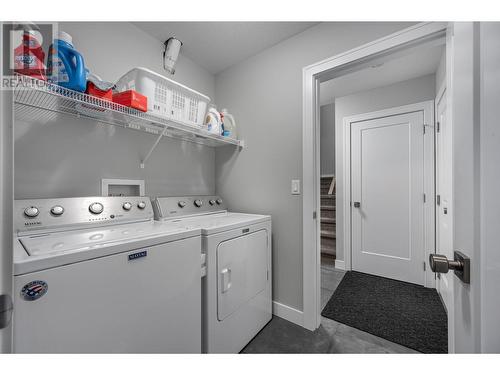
[29,57]
[133,99]
[94,91]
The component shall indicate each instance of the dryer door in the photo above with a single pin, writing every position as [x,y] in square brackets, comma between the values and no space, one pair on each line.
[241,271]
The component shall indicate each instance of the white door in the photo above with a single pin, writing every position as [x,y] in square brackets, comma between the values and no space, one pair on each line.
[466,224]
[444,209]
[387,187]
[476,182]
[6,201]
[490,182]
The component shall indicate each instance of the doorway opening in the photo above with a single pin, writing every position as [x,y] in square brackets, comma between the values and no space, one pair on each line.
[377,120]
[328,186]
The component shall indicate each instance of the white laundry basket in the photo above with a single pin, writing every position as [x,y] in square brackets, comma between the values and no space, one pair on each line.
[166,98]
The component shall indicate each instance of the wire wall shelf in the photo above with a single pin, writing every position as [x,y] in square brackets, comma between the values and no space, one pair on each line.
[37,100]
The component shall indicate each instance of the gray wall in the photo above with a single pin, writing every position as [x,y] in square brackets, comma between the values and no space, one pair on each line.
[68,157]
[402,93]
[111,49]
[327,139]
[264,93]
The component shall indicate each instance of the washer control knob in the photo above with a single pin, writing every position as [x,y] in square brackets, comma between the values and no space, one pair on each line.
[127,206]
[31,211]
[219,201]
[57,210]
[198,203]
[212,202]
[96,208]
[181,204]
[141,205]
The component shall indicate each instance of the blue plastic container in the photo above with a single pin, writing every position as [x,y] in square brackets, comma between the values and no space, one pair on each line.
[65,65]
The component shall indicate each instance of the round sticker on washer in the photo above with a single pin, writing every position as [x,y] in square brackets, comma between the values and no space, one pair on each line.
[34,290]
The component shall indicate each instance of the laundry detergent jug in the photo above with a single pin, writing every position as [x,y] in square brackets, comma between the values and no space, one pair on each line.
[229,126]
[213,120]
[29,57]
[65,65]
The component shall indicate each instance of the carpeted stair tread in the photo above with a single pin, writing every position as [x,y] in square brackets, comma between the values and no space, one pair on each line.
[328,220]
[327,208]
[328,234]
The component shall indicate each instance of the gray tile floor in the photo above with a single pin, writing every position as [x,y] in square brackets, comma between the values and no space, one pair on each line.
[281,336]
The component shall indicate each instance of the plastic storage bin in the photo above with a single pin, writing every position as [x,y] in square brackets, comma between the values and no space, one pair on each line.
[132,99]
[166,98]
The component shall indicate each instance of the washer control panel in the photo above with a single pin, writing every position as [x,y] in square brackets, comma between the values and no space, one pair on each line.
[33,214]
[171,207]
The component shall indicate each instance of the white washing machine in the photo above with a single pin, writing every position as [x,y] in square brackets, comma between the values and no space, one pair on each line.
[237,289]
[99,275]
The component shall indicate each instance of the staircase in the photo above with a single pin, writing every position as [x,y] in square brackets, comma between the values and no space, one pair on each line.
[328,232]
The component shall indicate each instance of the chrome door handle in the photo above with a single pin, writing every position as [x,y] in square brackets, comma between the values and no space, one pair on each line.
[357,204]
[460,265]
[226,279]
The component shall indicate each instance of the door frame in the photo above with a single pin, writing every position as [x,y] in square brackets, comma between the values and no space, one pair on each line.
[6,202]
[312,76]
[427,108]
[449,310]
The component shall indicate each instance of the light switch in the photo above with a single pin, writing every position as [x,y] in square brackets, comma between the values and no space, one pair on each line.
[295,187]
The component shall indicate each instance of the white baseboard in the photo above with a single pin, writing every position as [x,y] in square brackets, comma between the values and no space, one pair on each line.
[288,313]
[340,264]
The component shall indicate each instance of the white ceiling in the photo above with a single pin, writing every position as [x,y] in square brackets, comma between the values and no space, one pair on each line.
[418,63]
[218,45]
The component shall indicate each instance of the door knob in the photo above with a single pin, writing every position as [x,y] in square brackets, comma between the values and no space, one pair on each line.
[460,265]
[357,204]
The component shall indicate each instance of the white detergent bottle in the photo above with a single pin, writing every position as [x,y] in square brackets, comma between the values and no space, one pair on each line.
[230,129]
[213,120]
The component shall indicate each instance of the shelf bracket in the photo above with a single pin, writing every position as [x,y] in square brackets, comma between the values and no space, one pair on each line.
[143,161]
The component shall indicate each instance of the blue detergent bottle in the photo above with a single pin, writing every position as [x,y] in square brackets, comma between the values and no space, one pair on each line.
[65,65]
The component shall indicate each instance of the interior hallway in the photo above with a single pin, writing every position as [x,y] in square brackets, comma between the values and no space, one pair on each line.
[281,336]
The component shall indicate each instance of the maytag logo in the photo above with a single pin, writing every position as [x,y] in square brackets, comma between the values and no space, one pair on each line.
[140,254]
[29,223]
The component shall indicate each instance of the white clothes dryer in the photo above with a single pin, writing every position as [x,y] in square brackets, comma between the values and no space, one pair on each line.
[237,294]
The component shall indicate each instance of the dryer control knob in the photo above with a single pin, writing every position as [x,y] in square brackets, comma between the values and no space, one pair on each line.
[219,201]
[141,205]
[57,210]
[127,206]
[212,202]
[96,208]
[31,211]
[198,203]
[181,204]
